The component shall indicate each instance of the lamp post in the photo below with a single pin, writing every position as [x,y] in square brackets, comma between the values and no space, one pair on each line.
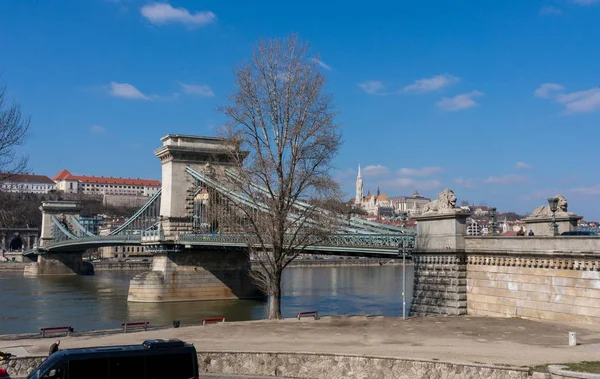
[493,212]
[553,205]
[403,217]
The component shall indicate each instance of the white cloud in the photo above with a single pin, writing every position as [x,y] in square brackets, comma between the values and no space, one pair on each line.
[593,190]
[126,91]
[97,129]
[197,89]
[550,10]
[375,170]
[468,183]
[582,101]
[425,171]
[432,84]
[585,2]
[548,90]
[163,13]
[505,179]
[459,102]
[322,64]
[372,87]
[523,165]
[412,184]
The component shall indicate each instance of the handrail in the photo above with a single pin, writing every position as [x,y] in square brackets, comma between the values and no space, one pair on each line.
[138,213]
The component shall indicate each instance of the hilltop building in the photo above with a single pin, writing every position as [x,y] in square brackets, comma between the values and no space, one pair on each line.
[27,184]
[382,205]
[99,185]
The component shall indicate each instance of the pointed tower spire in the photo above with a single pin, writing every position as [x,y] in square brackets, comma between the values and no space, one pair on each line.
[359,188]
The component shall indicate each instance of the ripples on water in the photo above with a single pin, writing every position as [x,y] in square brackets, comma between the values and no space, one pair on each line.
[100,301]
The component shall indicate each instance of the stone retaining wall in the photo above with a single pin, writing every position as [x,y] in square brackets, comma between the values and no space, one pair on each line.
[21,366]
[335,366]
[562,287]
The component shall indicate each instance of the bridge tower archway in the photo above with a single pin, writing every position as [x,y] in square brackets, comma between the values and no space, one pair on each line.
[16,243]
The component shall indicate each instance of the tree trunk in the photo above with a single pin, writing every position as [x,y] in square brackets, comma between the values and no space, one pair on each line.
[275,297]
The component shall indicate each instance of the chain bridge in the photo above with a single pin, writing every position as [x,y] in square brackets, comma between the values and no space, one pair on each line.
[194,232]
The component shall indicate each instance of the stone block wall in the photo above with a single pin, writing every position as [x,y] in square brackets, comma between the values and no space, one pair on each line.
[439,284]
[317,366]
[337,366]
[546,286]
[21,366]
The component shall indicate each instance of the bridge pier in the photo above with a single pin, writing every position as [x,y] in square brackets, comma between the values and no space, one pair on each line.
[59,264]
[180,274]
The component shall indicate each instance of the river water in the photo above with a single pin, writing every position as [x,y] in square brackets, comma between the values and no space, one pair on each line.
[100,301]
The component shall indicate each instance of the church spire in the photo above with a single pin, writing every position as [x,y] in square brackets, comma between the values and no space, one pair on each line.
[359,188]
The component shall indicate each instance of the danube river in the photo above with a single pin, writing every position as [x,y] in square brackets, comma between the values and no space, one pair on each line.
[100,301]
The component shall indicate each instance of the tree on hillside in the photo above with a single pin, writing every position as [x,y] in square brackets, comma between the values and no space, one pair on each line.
[281,117]
[13,129]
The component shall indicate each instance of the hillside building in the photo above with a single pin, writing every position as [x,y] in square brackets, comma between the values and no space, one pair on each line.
[27,184]
[99,185]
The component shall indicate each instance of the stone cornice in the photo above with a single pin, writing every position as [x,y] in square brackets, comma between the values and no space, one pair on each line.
[554,260]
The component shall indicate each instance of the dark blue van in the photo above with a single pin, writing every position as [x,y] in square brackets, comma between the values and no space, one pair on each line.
[153,359]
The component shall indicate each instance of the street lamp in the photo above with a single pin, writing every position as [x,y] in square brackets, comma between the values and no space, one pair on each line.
[403,217]
[493,212]
[553,205]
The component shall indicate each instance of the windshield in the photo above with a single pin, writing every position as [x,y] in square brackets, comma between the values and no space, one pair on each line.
[41,369]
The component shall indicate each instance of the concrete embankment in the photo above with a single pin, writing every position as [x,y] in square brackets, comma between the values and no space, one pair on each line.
[366,347]
[12,266]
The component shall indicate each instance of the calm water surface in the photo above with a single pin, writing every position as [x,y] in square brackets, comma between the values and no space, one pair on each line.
[100,301]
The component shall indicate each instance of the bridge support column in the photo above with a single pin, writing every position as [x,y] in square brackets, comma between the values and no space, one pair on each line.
[440,264]
[180,274]
[59,264]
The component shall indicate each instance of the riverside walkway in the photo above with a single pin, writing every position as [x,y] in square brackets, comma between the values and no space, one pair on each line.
[464,339]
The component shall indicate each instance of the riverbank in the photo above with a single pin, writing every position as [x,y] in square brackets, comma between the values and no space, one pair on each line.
[137,265]
[468,341]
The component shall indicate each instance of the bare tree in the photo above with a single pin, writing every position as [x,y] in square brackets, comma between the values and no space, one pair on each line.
[283,122]
[13,129]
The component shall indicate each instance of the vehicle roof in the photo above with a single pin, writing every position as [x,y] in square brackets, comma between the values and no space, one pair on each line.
[101,350]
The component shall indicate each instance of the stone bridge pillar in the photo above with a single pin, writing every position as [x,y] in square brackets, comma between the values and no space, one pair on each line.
[180,274]
[177,152]
[65,263]
[440,263]
[57,209]
[55,263]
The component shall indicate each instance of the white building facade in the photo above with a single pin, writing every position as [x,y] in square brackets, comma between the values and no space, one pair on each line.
[98,185]
[28,184]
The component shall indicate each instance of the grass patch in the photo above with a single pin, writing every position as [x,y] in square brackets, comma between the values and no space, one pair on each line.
[592,367]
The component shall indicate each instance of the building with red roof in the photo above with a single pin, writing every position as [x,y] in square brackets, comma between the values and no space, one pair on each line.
[100,185]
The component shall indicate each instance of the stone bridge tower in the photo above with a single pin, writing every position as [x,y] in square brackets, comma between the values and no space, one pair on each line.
[57,209]
[177,152]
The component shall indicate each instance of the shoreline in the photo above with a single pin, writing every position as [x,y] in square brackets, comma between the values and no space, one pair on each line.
[109,266]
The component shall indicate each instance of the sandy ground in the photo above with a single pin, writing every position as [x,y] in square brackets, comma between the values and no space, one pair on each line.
[508,341]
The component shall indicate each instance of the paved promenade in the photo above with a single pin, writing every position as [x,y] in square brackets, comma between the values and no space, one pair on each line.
[465,339]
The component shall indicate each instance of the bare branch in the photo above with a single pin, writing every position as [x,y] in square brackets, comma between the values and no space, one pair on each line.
[280,113]
[13,129]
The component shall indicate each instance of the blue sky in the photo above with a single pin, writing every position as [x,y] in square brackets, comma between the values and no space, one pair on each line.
[499,100]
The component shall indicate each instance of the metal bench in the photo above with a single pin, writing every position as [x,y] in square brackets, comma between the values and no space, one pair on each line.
[213,320]
[314,314]
[134,325]
[56,329]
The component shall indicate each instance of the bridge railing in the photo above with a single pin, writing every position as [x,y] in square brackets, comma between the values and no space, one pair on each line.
[349,240]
